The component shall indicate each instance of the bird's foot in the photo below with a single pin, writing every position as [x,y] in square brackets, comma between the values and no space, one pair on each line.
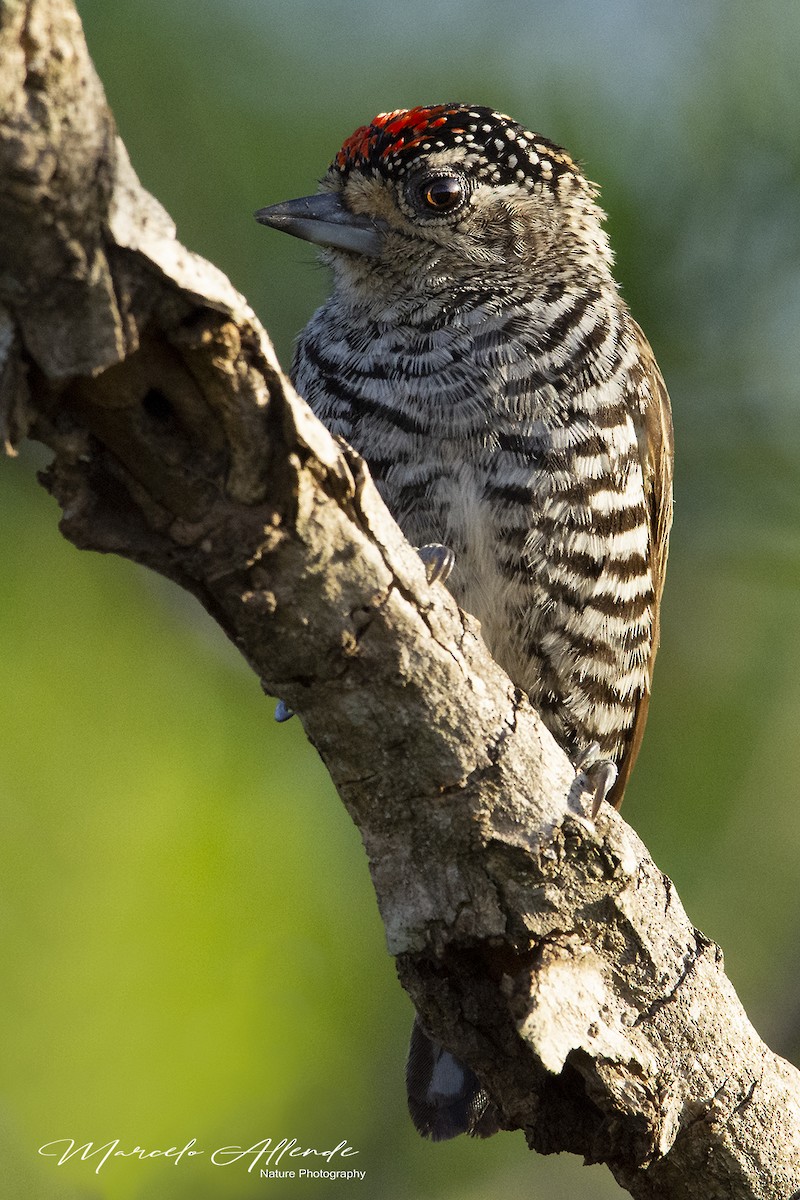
[600,774]
[283,712]
[438,560]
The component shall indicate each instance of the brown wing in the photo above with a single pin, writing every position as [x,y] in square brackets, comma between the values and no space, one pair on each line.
[654,431]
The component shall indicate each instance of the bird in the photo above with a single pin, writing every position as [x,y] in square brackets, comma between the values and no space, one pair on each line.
[476,350]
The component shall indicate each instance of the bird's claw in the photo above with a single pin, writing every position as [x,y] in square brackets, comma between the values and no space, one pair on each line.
[438,561]
[283,712]
[600,774]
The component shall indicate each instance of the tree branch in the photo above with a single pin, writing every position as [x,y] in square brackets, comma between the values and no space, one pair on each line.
[547,951]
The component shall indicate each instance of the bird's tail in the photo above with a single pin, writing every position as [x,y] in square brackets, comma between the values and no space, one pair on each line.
[445,1098]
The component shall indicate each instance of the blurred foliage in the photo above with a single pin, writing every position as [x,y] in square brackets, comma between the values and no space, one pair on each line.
[191,938]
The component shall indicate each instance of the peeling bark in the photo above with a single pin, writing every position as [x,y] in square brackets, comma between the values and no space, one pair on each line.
[546,950]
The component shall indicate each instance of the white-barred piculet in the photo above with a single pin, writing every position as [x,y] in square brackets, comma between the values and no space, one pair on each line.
[476,351]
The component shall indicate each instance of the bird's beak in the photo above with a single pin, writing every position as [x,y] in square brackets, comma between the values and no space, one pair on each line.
[323,219]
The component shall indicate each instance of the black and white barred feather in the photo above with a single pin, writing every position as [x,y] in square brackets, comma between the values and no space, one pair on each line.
[510,408]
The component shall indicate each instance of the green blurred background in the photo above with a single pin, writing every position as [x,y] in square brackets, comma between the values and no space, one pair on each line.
[190,937]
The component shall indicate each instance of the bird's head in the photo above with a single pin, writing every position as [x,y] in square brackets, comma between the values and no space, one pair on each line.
[424,196]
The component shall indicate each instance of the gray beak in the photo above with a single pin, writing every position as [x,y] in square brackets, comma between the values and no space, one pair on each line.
[324,220]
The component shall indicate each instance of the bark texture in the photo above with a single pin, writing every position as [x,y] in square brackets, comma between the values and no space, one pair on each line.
[547,951]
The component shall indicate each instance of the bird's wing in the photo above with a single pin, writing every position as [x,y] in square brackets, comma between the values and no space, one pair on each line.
[654,433]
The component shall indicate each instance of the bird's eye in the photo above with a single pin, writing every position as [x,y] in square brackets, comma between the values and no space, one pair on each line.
[442,193]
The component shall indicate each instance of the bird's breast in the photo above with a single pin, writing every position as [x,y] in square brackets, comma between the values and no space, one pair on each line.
[525,464]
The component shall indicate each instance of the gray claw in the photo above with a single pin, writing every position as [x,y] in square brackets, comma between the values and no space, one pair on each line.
[283,712]
[600,774]
[439,561]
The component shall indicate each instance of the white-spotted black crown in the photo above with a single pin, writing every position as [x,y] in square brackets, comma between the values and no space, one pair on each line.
[496,148]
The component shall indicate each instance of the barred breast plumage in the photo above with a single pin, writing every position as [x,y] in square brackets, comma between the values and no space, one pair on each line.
[476,351]
[510,429]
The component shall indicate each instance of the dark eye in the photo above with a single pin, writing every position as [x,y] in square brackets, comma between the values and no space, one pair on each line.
[442,193]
